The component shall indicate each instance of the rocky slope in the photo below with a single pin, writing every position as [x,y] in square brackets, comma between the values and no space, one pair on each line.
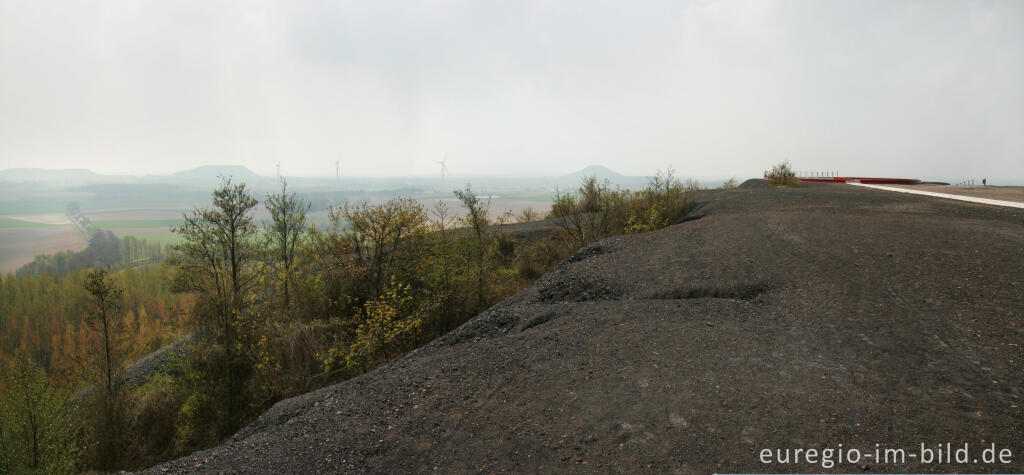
[781,319]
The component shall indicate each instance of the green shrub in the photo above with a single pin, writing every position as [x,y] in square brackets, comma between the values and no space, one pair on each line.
[153,413]
[782,174]
[535,258]
[387,325]
[665,201]
[644,219]
[527,215]
[585,215]
[38,433]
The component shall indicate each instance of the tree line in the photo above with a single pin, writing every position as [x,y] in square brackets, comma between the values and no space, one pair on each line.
[104,249]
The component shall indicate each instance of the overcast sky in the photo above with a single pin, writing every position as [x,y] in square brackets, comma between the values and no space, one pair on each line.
[714,88]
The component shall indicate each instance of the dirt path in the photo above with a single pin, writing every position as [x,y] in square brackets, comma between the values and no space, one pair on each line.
[783,319]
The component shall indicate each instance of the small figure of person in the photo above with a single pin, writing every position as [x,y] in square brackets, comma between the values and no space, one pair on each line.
[984,182]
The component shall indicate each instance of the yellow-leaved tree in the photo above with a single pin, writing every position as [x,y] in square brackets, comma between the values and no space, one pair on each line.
[387,325]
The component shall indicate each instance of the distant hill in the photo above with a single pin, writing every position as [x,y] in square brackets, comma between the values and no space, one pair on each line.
[66,177]
[200,176]
[238,173]
[30,174]
[601,172]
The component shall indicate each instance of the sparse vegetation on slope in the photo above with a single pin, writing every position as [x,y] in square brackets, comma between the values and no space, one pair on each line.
[596,211]
[286,308]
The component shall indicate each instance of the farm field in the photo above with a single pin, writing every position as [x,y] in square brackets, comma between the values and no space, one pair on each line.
[129,214]
[498,206]
[37,219]
[153,225]
[19,245]
[34,221]
[18,207]
[6,223]
[164,237]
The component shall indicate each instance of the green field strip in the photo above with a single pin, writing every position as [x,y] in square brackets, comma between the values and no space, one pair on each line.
[115,210]
[162,237]
[22,207]
[6,223]
[137,223]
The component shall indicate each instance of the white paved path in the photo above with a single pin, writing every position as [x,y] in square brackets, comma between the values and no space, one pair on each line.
[1013,204]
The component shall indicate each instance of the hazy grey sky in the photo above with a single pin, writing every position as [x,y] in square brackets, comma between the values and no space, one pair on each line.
[713,88]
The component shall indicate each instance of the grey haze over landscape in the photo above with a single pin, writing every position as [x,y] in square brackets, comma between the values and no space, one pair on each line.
[930,90]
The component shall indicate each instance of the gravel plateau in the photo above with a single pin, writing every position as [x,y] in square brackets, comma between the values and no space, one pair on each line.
[772,319]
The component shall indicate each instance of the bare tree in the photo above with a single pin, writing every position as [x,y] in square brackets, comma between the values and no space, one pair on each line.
[477,220]
[286,232]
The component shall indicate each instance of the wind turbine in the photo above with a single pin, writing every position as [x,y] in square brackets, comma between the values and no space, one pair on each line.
[444,167]
[278,169]
[337,170]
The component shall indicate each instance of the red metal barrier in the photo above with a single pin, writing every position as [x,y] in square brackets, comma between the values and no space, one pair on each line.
[873,181]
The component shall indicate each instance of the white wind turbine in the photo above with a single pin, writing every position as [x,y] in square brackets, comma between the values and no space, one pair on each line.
[444,167]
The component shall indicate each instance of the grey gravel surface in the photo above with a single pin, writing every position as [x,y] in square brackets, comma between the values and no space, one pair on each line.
[782,318]
[140,371]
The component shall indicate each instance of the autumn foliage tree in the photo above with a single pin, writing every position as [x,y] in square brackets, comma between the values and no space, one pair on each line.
[384,240]
[387,324]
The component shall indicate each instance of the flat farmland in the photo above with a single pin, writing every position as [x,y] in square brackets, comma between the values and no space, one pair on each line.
[34,221]
[127,214]
[498,206]
[19,245]
[153,225]
[162,236]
